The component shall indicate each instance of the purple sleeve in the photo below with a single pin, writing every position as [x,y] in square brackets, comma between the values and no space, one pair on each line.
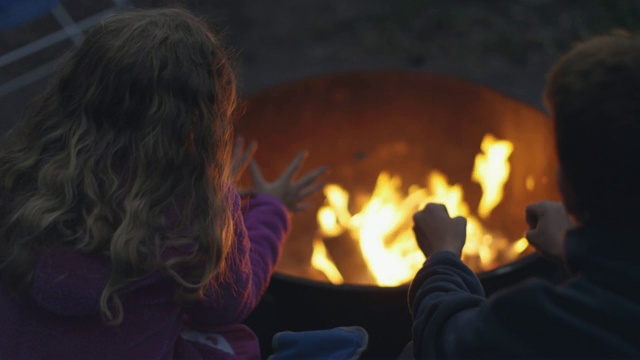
[260,228]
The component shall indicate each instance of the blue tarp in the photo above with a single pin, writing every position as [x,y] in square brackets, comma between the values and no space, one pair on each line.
[16,12]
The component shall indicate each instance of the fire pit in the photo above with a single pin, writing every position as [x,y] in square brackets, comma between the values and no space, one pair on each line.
[395,140]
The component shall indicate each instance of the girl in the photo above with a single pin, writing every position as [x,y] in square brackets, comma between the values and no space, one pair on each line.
[120,233]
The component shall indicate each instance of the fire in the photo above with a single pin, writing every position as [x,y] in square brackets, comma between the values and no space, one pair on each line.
[383,226]
[320,260]
[491,171]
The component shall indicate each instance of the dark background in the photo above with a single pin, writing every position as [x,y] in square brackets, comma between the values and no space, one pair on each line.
[506,44]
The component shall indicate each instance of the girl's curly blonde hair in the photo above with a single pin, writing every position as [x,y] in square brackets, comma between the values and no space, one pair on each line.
[135,124]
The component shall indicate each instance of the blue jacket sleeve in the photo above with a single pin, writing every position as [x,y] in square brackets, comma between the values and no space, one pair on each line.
[453,319]
[442,289]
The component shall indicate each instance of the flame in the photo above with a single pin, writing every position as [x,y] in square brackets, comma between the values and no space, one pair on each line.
[320,260]
[383,226]
[491,171]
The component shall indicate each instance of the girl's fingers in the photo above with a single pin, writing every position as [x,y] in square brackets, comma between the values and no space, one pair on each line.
[249,152]
[302,194]
[293,167]
[310,177]
[242,161]
[309,190]
[239,144]
[251,149]
[256,175]
[236,153]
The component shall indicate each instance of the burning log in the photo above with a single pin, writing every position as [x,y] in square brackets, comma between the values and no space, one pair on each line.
[348,260]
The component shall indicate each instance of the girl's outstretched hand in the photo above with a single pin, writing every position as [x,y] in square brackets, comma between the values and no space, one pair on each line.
[436,231]
[290,192]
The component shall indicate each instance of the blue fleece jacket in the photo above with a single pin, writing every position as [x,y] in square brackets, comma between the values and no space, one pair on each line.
[596,314]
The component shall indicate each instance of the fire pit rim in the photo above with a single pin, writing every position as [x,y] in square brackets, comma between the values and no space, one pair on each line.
[289,83]
[502,270]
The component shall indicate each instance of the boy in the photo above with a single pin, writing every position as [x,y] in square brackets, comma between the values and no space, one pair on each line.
[593,94]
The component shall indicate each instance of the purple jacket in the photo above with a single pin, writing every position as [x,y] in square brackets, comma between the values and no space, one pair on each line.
[60,318]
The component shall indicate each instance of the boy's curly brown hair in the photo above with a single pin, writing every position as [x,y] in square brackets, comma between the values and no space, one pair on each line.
[593,93]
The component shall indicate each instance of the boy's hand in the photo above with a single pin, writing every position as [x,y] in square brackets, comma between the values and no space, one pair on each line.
[436,231]
[548,222]
[290,192]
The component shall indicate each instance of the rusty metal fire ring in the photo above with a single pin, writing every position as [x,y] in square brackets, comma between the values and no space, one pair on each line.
[354,115]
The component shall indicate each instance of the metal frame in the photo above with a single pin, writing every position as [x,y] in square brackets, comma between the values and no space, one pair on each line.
[70,30]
